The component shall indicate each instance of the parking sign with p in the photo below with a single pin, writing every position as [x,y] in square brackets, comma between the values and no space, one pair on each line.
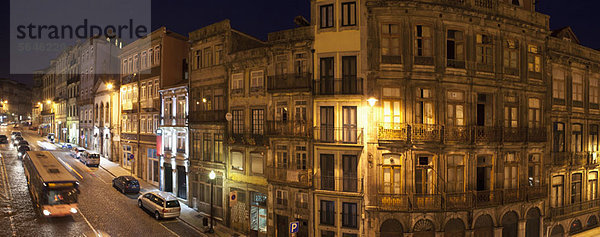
[294,226]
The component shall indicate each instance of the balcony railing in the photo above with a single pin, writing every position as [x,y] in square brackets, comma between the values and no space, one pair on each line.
[425,132]
[575,208]
[174,121]
[579,158]
[291,176]
[560,158]
[487,134]
[537,192]
[457,134]
[513,195]
[207,116]
[150,104]
[350,183]
[288,128]
[290,82]
[488,198]
[459,201]
[393,131]
[394,202]
[343,135]
[514,134]
[247,137]
[339,86]
[536,134]
[427,201]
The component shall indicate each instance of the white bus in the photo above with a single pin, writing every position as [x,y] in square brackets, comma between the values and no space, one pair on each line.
[53,189]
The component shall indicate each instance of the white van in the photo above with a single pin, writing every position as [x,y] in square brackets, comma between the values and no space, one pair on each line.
[90,159]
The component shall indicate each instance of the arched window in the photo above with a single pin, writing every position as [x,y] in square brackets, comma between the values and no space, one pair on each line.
[391,228]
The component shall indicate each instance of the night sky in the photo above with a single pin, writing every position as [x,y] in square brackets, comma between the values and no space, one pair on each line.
[258,18]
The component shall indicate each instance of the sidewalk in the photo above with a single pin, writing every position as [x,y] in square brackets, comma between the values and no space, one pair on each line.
[187,215]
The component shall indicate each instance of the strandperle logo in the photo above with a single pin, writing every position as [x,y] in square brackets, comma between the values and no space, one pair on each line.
[81,31]
[61,33]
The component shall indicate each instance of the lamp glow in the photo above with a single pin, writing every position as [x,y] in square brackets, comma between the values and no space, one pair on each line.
[372,101]
[109,86]
[46,212]
[212,175]
[48,101]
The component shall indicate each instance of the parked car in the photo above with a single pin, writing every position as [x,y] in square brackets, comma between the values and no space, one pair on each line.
[126,184]
[50,137]
[17,140]
[3,139]
[14,134]
[161,204]
[90,158]
[23,150]
[23,142]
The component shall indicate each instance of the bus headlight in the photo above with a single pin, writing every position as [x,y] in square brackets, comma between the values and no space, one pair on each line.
[73,210]
[46,212]
[20,154]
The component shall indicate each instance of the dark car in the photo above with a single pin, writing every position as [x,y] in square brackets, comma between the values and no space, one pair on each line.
[17,140]
[126,184]
[3,139]
[23,142]
[23,150]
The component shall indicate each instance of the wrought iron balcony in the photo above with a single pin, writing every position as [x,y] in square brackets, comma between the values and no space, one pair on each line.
[339,86]
[459,201]
[393,132]
[536,134]
[513,195]
[150,104]
[579,158]
[247,137]
[426,132]
[174,121]
[487,134]
[537,192]
[461,134]
[290,82]
[207,116]
[488,198]
[560,158]
[292,176]
[350,183]
[427,201]
[289,128]
[511,134]
[575,208]
[343,135]
[393,202]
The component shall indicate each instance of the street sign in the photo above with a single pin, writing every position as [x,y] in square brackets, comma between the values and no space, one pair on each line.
[232,198]
[131,156]
[294,226]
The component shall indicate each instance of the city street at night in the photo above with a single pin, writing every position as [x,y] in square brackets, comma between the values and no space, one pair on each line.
[102,209]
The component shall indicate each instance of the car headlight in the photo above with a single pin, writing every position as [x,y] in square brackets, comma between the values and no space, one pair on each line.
[20,154]
[46,212]
[73,210]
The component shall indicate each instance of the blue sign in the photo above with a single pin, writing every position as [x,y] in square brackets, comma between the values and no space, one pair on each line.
[294,227]
[130,157]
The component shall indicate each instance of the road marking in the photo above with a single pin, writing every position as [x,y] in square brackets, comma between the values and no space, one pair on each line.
[65,163]
[169,230]
[86,221]
[9,195]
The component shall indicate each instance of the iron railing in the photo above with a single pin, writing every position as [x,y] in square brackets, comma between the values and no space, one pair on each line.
[290,82]
[343,135]
[291,128]
[338,86]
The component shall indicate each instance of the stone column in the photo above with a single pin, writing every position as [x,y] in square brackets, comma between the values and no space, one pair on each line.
[498,231]
[522,227]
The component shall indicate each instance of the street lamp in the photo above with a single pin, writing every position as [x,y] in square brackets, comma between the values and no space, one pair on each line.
[48,102]
[372,101]
[212,177]
[109,86]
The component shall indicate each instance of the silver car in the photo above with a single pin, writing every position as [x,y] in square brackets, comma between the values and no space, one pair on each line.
[161,204]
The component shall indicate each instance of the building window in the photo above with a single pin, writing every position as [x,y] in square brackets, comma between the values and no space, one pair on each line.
[455,49]
[424,175]
[534,174]
[218,147]
[558,84]
[327,16]
[594,93]
[327,233]
[390,44]
[511,112]
[350,173]
[558,137]
[237,83]
[511,171]
[349,81]
[349,215]
[326,84]
[534,59]
[218,54]
[391,175]
[327,213]
[257,79]
[593,185]
[301,160]
[456,174]
[556,195]
[206,147]
[534,113]
[196,145]
[456,109]
[281,197]
[576,137]
[593,137]
[207,60]
[257,162]
[349,14]
[237,161]
[425,108]
[258,121]
[300,64]
[423,46]
[511,56]
[198,59]
[238,121]
[281,156]
[576,188]
[485,50]
[577,89]
[392,112]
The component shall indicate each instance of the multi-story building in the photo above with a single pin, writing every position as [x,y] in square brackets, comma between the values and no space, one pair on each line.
[67,72]
[457,99]
[72,124]
[174,136]
[48,92]
[98,58]
[106,115]
[208,54]
[15,101]
[37,98]
[145,64]
[288,128]
[573,115]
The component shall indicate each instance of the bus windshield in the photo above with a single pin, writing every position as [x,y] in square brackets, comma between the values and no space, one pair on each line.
[62,196]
